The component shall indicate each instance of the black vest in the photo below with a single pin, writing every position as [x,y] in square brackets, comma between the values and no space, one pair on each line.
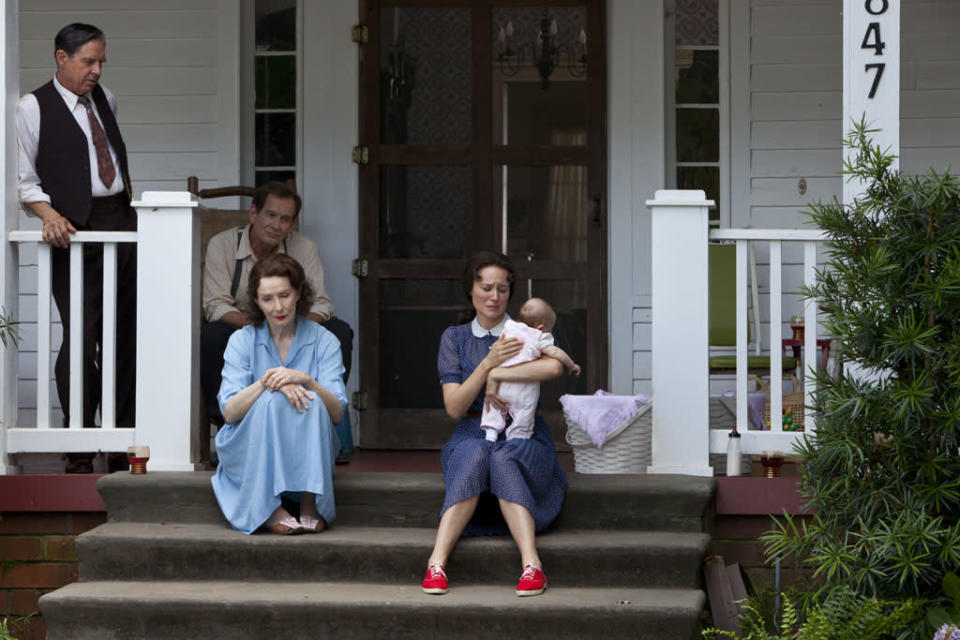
[63,161]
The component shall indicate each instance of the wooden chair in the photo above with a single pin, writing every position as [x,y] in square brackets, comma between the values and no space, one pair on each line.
[212,222]
[723,318]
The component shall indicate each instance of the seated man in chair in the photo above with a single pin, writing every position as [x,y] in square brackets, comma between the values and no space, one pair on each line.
[230,256]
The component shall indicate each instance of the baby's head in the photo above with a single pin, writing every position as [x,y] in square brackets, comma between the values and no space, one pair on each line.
[537,313]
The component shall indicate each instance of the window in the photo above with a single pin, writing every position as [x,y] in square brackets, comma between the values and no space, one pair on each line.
[276,63]
[696,97]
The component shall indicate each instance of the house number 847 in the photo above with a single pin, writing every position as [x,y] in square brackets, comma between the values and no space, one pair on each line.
[873,40]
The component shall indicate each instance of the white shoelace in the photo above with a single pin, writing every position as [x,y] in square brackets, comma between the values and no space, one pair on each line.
[436,570]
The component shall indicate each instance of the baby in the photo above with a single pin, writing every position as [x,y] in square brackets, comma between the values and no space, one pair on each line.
[537,319]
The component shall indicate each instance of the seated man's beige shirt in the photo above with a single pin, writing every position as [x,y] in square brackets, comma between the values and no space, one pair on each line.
[221,260]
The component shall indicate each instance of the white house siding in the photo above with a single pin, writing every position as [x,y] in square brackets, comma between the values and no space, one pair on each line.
[174,67]
[642,352]
[794,84]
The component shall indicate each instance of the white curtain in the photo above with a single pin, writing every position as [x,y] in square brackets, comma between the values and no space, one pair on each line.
[567,207]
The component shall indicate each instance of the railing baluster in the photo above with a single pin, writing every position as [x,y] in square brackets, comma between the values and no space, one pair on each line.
[76,336]
[108,365]
[776,438]
[44,271]
[810,331]
[776,346]
[43,436]
[742,336]
[755,298]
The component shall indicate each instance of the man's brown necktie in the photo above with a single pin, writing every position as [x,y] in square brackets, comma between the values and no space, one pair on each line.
[104,162]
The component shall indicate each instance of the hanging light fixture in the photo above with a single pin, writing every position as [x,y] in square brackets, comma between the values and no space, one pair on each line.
[545,53]
[399,73]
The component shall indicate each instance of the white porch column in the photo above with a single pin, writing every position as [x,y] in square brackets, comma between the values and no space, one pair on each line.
[871,75]
[9,268]
[168,327]
[681,442]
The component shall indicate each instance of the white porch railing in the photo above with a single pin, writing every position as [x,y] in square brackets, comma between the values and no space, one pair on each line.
[168,303]
[682,440]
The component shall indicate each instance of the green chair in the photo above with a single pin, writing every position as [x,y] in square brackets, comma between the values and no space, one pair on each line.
[723,317]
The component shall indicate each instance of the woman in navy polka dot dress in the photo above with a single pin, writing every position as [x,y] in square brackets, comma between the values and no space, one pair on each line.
[511,486]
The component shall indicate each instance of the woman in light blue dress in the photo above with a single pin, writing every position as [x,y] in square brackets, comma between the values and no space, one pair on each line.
[282,392]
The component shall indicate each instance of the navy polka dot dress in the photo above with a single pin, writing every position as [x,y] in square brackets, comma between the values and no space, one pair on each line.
[526,472]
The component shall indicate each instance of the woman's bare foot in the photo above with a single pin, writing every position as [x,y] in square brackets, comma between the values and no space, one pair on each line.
[310,519]
[281,522]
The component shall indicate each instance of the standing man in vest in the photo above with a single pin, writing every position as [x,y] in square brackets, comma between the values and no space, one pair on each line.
[74,177]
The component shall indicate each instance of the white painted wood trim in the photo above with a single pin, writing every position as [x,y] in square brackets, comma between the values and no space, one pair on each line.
[680,342]
[739,110]
[810,358]
[167,328]
[35,235]
[9,255]
[71,440]
[776,346]
[330,186]
[755,442]
[44,284]
[882,111]
[635,167]
[755,298]
[229,129]
[742,336]
[108,380]
[768,234]
[723,15]
[76,334]
[247,86]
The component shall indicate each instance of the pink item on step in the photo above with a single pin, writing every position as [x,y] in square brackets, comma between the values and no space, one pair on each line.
[600,414]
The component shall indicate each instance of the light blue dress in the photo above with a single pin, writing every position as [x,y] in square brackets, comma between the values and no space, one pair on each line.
[275,451]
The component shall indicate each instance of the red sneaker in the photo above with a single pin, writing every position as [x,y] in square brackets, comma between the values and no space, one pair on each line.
[532,582]
[435,582]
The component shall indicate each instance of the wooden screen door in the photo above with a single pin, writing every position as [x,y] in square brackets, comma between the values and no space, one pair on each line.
[468,149]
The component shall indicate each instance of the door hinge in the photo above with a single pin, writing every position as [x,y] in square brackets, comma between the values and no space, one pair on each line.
[361,155]
[359,400]
[359,33]
[360,267]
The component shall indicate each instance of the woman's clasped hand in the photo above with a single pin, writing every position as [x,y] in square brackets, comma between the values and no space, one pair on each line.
[290,382]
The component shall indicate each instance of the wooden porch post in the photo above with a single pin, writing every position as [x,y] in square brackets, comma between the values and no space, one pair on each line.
[9,269]
[681,442]
[168,327]
[871,75]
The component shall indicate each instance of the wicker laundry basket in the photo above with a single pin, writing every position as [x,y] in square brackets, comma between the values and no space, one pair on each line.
[626,450]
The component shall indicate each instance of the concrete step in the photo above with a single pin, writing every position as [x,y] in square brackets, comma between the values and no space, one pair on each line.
[226,610]
[393,499]
[385,555]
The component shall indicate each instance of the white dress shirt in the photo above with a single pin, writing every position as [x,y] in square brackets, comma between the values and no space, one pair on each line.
[28,139]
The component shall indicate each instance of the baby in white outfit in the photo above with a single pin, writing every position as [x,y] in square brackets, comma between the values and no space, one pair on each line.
[537,319]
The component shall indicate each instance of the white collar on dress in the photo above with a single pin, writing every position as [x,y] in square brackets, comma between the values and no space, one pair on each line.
[479,332]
